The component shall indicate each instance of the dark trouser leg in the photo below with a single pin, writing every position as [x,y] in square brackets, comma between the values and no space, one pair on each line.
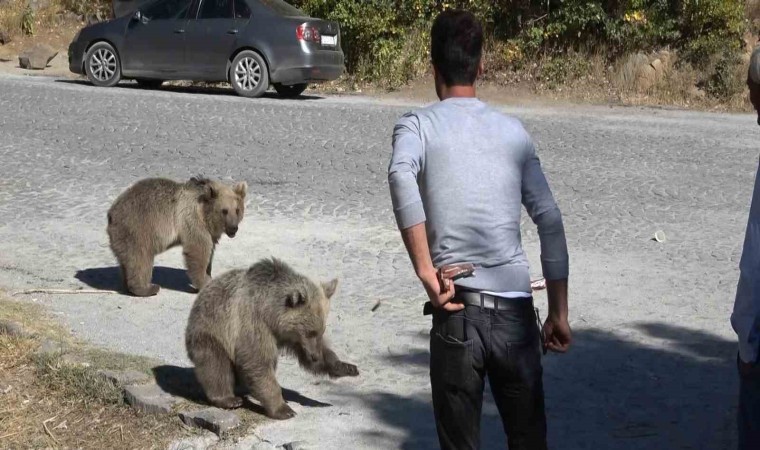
[749,407]
[456,376]
[515,374]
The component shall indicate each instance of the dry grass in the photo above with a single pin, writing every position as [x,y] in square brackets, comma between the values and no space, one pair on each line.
[46,402]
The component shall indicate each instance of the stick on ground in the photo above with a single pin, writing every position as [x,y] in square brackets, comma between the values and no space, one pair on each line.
[63,291]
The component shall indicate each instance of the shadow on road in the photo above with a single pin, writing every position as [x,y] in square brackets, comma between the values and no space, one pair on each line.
[201,90]
[676,390]
[109,278]
[181,382]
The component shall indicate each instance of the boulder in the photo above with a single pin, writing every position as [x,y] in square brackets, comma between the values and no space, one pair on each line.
[5,37]
[36,57]
[215,420]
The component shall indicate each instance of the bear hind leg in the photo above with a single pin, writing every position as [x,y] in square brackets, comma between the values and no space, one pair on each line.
[215,373]
[137,270]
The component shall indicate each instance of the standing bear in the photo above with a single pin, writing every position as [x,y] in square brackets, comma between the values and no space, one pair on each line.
[157,214]
[241,321]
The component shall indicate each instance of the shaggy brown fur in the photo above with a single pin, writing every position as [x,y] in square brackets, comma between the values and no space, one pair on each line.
[156,214]
[241,320]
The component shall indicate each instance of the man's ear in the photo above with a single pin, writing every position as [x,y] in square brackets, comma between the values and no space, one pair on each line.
[330,287]
[241,189]
[295,298]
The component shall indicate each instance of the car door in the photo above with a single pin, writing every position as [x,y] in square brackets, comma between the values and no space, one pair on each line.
[154,41]
[210,38]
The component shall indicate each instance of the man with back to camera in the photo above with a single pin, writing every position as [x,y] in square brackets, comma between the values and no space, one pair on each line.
[745,318]
[459,173]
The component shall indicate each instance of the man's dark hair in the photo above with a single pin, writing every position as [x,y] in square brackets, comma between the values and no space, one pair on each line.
[456,45]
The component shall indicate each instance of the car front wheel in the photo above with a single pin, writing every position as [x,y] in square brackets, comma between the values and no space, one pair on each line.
[290,91]
[102,65]
[249,75]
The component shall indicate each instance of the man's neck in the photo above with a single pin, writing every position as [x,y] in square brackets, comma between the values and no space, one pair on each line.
[457,92]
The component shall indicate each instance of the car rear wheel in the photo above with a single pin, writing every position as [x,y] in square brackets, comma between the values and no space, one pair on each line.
[102,65]
[147,83]
[290,91]
[249,75]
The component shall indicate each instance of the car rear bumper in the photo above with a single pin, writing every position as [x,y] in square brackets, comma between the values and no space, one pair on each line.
[319,66]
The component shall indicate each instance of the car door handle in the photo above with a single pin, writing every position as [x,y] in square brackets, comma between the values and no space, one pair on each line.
[180,31]
[232,31]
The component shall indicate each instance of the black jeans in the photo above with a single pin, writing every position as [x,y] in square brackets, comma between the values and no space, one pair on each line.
[749,407]
[467,345]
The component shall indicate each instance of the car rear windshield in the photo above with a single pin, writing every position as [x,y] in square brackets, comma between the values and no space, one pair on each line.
[282,8]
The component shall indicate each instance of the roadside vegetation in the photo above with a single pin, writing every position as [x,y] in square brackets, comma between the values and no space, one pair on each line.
[689,53]
[50,400]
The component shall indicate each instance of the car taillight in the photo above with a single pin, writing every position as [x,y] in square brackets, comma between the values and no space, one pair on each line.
[307,33]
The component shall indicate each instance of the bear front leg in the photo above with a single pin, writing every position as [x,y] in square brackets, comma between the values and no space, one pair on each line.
[337,368]
[210,261]
[330,364]
[197,254]
[265,388]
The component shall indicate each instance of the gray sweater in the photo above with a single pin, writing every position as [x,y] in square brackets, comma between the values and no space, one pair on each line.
[464,169]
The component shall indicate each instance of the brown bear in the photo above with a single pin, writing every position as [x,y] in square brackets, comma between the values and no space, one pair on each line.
[241,321]
[156,214]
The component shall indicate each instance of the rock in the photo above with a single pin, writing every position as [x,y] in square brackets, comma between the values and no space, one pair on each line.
[125,378]
[5,37]
[149,398]
[12,329]
[215,420]
[36,57]
[297,445]
[658,66]
[646,78]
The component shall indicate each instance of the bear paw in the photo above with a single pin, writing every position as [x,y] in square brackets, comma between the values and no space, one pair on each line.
[228,403]
[148,291]
[342,369]
[283,412]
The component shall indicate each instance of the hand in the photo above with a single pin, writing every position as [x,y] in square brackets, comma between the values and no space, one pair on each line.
[557,335]
[437,298]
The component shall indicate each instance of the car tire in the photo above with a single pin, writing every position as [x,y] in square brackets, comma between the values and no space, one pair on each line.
[249,75]
[102,65]
[147,83]
[291,91]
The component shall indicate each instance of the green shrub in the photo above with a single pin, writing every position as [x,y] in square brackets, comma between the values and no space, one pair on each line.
[27,21]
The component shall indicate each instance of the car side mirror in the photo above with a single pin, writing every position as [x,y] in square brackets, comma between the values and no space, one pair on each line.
[137,16]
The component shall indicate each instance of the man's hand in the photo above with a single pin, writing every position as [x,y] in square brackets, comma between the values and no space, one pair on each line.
[557,335]
[439,299]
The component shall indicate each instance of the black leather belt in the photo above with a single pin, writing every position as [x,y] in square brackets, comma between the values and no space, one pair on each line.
[494,302]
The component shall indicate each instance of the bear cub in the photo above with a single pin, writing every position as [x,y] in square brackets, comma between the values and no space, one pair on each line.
[156,214]
[241,321]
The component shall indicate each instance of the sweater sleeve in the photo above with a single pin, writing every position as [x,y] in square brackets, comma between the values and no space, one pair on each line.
[405,164]
[542,209]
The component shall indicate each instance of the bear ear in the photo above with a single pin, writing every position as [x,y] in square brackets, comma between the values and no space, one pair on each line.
[330,287]
[209,193]
[295,299]
[241,189]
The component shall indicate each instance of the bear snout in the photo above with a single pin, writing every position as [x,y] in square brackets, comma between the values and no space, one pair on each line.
[232,231]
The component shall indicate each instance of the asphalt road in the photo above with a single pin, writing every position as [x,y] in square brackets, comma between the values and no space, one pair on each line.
[652,363]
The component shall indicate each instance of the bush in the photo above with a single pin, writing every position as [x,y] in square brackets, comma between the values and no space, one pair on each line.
[387,40]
